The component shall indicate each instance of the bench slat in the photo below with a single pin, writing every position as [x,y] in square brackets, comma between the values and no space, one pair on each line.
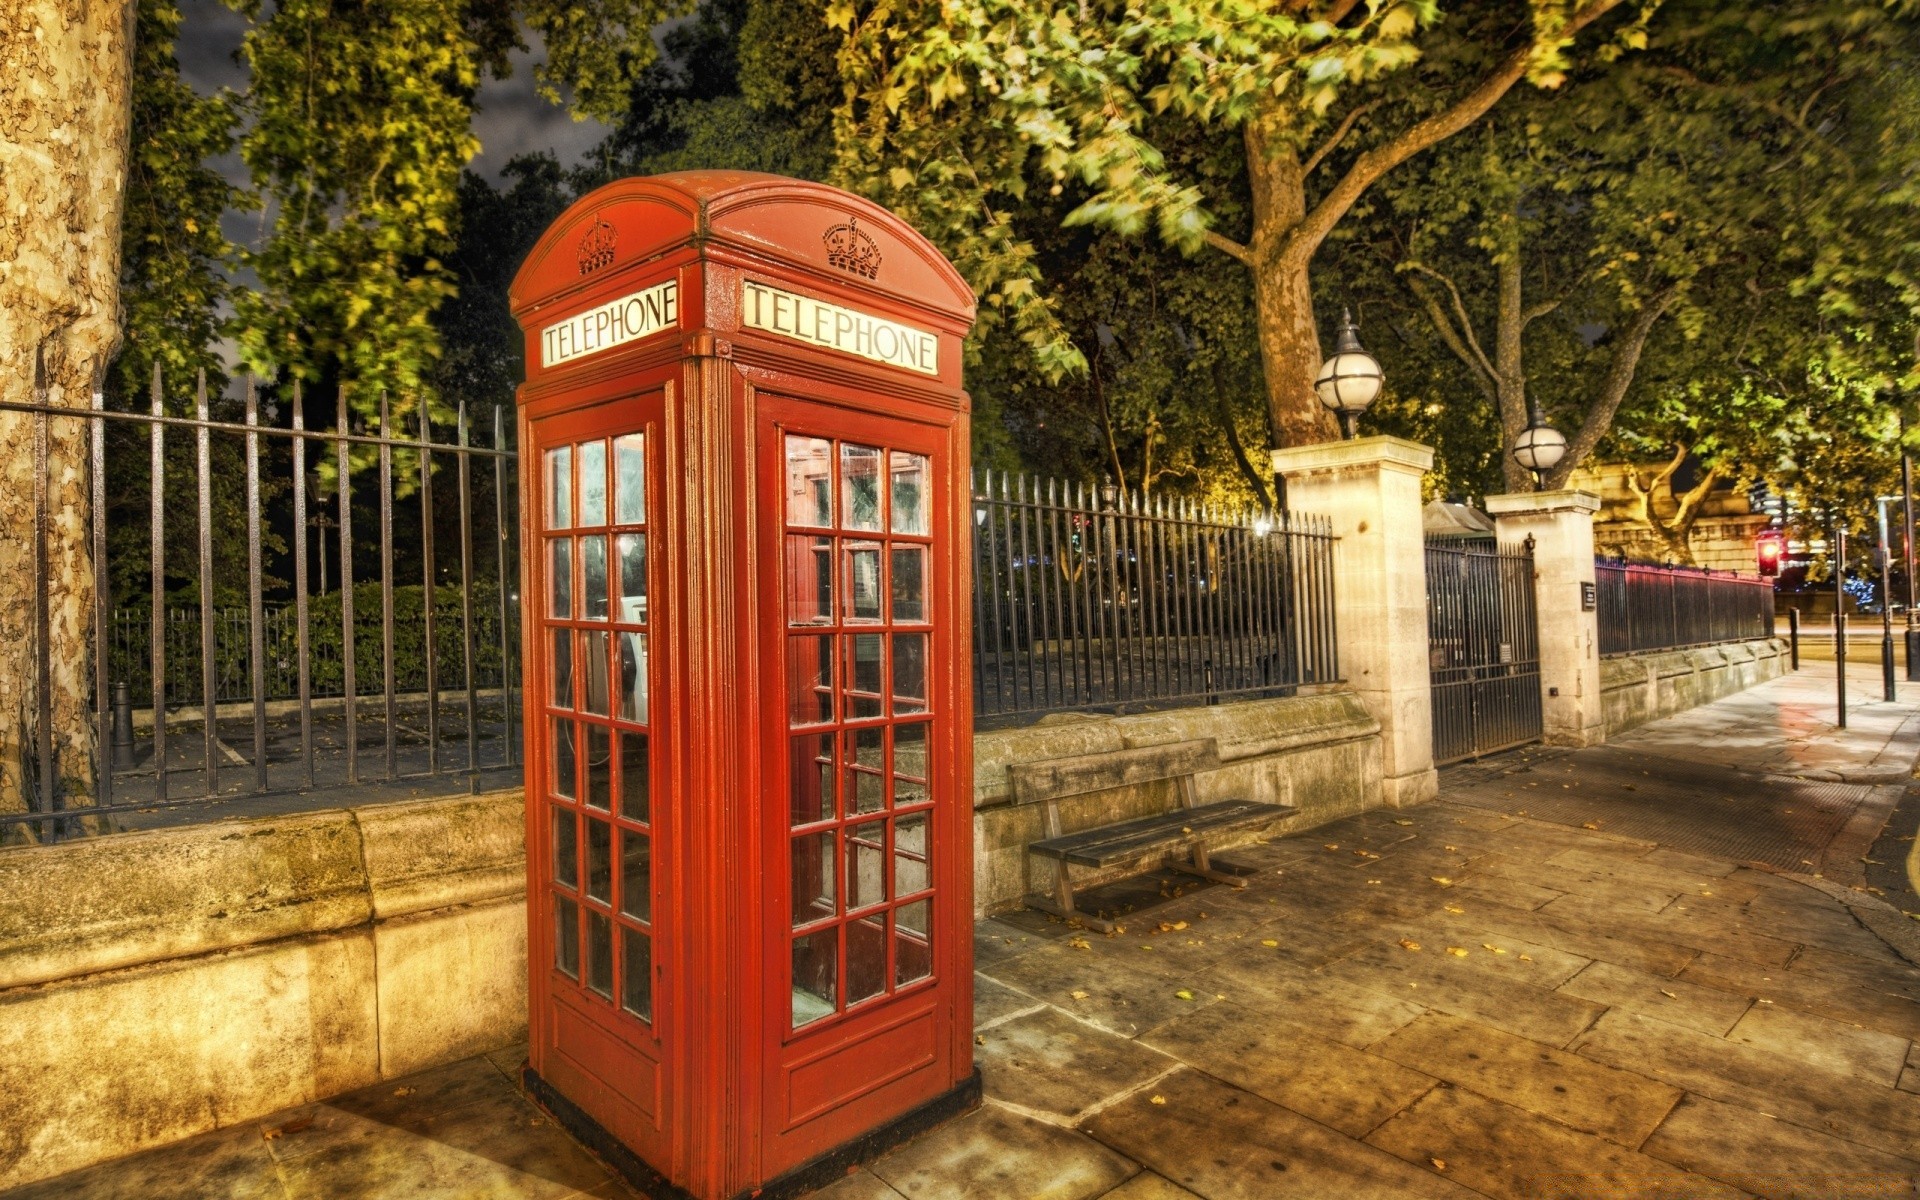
[1059,777]
[1111,844]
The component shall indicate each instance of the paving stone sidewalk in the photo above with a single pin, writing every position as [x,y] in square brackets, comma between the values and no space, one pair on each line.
[1515,992]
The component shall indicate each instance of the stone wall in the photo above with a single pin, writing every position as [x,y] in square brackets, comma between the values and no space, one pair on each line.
[1318,753]
[160,984]
[1637,688]
[156,985]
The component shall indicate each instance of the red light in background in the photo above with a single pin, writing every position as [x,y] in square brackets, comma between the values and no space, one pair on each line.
[1767,550]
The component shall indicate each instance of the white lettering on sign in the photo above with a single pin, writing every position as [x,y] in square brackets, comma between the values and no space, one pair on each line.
[847,330]
[627,319]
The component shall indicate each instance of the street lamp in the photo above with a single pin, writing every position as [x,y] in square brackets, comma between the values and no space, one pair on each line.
[1539,447]
[1349,381]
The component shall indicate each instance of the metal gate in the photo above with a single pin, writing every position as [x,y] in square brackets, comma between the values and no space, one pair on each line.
[1483,648]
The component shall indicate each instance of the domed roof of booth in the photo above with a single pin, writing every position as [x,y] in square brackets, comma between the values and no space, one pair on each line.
[834,233]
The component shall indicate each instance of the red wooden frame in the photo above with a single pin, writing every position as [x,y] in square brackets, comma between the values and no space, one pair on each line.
[719,1093]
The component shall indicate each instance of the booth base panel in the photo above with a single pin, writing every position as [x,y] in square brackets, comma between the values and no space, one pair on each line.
[808,1176]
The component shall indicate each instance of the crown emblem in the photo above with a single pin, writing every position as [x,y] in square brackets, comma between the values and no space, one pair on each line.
[596,248]
[851,250]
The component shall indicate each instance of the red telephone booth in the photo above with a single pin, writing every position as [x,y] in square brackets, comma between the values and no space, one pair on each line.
[749,724]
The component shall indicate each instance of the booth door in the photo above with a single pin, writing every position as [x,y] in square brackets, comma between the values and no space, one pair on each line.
[601,805]
[857,817]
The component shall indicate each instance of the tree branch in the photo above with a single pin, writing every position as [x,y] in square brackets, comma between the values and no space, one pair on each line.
[1621,365]
[1240,459]
[1339,135]
[1229,247]
[1479,359]
[1371,165]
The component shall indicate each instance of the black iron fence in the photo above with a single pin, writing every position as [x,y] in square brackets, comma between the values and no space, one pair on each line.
[1643,607]
[420,658]
[1483,647]
[1108,600]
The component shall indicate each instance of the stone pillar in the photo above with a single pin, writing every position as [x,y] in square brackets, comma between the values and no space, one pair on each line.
[1561,525]
[1370,489]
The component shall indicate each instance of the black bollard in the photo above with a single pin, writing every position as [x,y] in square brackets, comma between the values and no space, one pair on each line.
[1913,654]
[1793,636]
[122,725]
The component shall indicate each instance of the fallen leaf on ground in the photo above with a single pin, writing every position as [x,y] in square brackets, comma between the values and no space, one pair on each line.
[1144,946]
[1526,958]
[1456,951]
[1590,825]
[979,1039]
[1439,1164]
[1403,822]
[1409,944]
[1373,881]
[1669,995]
[1492,947]
[1442,880]
[294,1126]
[1184,994]
[1157,1100]
[1079,943]
[403,1091]
[1449,847]
[1078,994]
[1333,845]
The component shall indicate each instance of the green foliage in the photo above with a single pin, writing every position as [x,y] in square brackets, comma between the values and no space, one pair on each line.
[409,639]
[172,250]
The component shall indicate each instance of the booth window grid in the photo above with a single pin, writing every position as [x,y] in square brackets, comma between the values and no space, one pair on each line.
[857,555]
[599,790]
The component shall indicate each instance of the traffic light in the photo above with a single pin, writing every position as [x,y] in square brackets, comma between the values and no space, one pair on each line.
[1767,550]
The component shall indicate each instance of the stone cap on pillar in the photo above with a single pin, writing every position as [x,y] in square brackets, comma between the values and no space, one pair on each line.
[1380,452]
[1515,504]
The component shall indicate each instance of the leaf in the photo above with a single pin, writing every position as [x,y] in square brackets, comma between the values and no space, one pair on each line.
[1184,994]
[1078,994]
[1079,943]
[1403,822]
[1179,924]
[403,1091]
[1491,947]
[1272,944]
[1439,1164]
[1442,880]
[1457,951]
[1526,958]
[293,1126]
[1157,1100]
[1333,845]
[1455,909]
[1669,995]
[1409,944]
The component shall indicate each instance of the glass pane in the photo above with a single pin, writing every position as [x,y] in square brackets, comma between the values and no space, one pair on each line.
[560,578]
[912,944]
[860,487]
[866,958]
[813,890]
[810,679]
[566,848]
[593,483]
[809,482]
[909,673]
[600,953]
[600,861]
[815,969]
[910,485]
[909,757]
[563,668]
[866,865]
[566,936]
[565,774]
[863,581]
[866,770]
[809,570]
[635,781]
[630,478]
[867,674]
[599,767]
[636,875]
[909,583]
[636,982]
[593,669]
[910,855]
[632,549]
[560,488]
[593,577]
[810,778]
[633,677]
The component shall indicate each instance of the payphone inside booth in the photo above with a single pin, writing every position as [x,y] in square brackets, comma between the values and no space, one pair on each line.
[749,800]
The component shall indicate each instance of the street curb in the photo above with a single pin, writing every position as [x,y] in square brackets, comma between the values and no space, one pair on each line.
[1900,932]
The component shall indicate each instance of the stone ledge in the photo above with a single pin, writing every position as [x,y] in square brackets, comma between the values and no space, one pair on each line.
[82,907]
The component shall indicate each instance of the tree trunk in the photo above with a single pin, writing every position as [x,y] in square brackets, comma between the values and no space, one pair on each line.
[1283,288]
[65,110]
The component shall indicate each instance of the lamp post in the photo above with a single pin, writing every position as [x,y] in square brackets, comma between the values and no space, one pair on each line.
[1350,380]
[1539,447]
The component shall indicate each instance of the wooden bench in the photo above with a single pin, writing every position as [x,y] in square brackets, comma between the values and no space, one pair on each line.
[1180,838]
